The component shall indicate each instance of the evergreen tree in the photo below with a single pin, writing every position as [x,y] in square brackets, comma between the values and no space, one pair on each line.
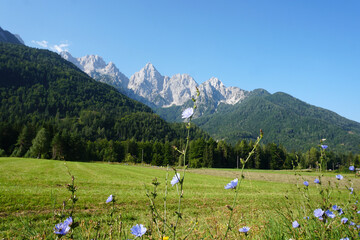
[57,146]
[24,142]
[157,157]
[196,152]
[276,156]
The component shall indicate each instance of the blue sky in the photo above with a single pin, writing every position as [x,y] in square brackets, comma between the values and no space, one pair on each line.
[308,49]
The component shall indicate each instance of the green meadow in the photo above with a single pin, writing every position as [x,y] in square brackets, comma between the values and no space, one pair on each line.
[33,191]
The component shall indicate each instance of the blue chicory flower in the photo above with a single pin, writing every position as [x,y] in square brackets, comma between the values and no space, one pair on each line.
[351,190]
[232,184]
[340,211]
[351,168]
[358,212]
[244,229]
[63,228]
[316,180]
[306,183]
[318,212]
[138,230]
[175,179]
[344,238]
[187,113]
[339,177]
[335,207]
[344,220]
[110,198]
[295,224]
[330,214]
[68,221]
[324,147]
[351,223]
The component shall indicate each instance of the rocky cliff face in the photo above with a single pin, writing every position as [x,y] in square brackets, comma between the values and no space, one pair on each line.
[156,90]
[166,91]
[96,68]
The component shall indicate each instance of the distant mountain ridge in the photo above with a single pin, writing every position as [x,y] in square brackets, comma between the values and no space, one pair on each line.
[152,88]
[96,68]
[8,37]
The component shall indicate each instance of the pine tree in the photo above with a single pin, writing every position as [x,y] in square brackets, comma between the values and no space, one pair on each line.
[24,142]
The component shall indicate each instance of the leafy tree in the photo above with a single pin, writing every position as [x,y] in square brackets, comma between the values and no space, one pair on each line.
[40,145]
[313,157]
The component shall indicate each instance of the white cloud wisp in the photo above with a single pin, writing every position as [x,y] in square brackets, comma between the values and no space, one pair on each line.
[53,47]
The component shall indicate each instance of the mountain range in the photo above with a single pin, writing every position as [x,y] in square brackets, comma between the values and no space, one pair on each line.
[229,113]
[158,91]
[226,113]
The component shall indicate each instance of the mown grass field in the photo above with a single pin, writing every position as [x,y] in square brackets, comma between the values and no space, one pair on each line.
[31,190]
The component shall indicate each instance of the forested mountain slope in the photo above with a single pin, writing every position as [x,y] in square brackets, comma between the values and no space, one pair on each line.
[40,89]
[285,120]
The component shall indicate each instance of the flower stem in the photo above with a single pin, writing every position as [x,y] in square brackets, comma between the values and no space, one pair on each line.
[166,191]
[183,178]
[238,185]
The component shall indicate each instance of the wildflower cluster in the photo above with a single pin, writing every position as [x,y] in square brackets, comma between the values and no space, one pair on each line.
[324,219]
[64,227]
[345,221]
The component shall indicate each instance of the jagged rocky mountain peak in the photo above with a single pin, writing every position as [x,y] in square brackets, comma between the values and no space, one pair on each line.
[96,67]
[214,81]
[148,71]
[150,86]
[149,66]
[92,62]
[111,67]
[184,79]
[67,56]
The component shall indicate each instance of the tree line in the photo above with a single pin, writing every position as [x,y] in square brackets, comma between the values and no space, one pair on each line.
[203,152]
